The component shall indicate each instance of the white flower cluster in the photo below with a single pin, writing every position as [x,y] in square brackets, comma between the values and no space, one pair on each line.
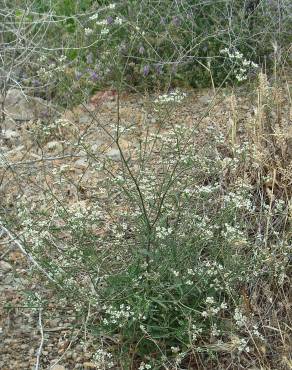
[233,233]
[238,200]
[103,22]
[207,189]
[88,31]
[103,359]
[212,307]
[256,333]
[144,366]
[242,64]
[239,318]
[215,332]
[93,17]
[162,232]
[104,31]
[175,96]
[118,21]
[119,316]
[242,345]
[195,332]
[204,227]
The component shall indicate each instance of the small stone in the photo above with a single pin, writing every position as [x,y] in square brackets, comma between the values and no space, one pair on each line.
[5,266]
[81,163]
[54,146]
[89,365]
[96,145]
[205,99]
[21,107]
[114,154]
[10,134]
[58,367]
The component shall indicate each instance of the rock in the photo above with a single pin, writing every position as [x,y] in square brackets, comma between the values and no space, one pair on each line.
[96,145]
[114,154]
[5,266]
[9,123]
[10,134]
[54,146]
[81,163]
[21,107]
[205,99]
[89,365]
[57,367]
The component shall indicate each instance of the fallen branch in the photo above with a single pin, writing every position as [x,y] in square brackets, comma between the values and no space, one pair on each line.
[39,352]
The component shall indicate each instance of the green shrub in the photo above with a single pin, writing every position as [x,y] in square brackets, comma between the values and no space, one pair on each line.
[149,44]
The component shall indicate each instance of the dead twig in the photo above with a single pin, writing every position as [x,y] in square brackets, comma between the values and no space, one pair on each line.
[39,351]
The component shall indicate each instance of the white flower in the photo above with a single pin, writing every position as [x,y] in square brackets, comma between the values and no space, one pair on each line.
[102,22]
[93,17]
[144,366]
[215,332]
[62,58]
[88,31]
[239,318]
[174,96]
[112,6]
[174,349]
[118,21]
[210,300]
[104,31]
[223,305]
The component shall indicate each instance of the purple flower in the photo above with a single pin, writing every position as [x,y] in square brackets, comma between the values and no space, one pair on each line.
[94,76]
[141,50]
[36,83]
[146,70]
[89,58]
[158,69]
[109,20]
[176,21]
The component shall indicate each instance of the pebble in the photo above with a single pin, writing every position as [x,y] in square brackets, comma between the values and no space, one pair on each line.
[5,266]
[81,163]
[114,154]
[89,365]
[58,367]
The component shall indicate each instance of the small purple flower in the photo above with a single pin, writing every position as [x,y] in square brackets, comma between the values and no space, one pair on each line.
[44,114]
[36,83]
[78,74]
[146,70]
[94,76]
[89,58]
[158,69]
[109,20]
[176,21]
[141,50]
